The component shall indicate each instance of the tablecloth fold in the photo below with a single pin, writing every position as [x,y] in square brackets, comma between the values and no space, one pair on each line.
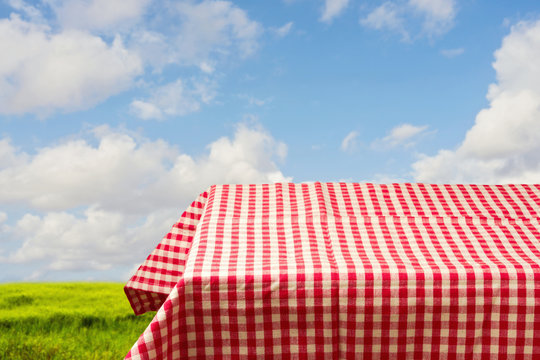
[156,277]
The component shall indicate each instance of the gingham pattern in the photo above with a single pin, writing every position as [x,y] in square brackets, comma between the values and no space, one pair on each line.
[337,270]
[157,276]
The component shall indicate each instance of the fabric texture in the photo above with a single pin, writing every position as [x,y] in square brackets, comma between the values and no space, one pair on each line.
[154,280]
[346,271]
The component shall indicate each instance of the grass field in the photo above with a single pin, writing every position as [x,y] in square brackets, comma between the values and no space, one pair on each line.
[67,321]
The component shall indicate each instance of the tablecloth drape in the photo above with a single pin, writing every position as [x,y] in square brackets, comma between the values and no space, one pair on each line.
[346,270]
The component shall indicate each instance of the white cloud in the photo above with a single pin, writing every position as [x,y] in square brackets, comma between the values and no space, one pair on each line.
[206,67]
[214,27]
[386,17]
[75,173]
[154,48]
[146,110]
[504,143]
[130,190]
[28,10]
[404,132]
[174,99]
[200,34]
[284,30]
[96,240]
[98,14]
[69,63]
[245,158]
[8,155]
[439,14]
[450,53]
[332,9]
[401,135]
[130,174]
[437,17]
[41,71]
[349,142]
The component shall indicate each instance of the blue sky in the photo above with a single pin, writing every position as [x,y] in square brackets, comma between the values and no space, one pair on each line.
[115,115]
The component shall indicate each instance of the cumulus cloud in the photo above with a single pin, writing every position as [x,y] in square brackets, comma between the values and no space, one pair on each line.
[402,135]
[101,15]
[75,173]
[349,142]
[245,158]
[174,99]
[504,143]
[133,175]
[42,71]
[8,154]
[31,12]
[92,202]
[332,9]
[437,17]
[90,50]
[95,240]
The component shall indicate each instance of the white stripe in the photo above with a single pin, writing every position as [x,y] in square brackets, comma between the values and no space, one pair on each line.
[408,199]
[477,201]
[421,199]
[527,200]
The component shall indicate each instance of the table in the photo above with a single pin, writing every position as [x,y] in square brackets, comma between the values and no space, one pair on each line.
[346,271]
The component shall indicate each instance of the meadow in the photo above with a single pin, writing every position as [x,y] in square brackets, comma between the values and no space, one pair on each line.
[67,321]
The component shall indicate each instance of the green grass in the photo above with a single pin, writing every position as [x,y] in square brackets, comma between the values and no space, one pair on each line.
[67,321]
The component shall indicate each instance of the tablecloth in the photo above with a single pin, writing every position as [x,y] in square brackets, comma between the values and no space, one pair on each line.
[346,271]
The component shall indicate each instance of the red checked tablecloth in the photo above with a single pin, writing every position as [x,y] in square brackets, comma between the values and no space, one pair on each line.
[346,271]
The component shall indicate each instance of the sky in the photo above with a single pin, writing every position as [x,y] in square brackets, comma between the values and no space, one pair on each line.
[115,115]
